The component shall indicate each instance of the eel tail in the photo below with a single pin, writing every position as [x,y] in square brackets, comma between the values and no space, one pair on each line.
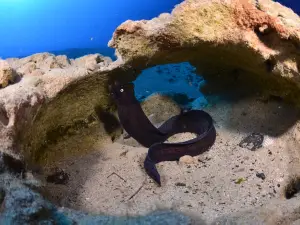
[151,170]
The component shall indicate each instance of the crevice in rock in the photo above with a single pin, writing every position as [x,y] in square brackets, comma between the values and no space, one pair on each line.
[2,196]
[10,164]
[4,119]
[292,188]
[270,64]
[109,120]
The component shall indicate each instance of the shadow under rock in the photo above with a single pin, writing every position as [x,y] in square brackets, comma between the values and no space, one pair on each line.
[251,104]
[249,115]
[80,168]
[79,171]
[110,122]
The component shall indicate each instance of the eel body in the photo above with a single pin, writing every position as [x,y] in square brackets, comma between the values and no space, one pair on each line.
[138,126]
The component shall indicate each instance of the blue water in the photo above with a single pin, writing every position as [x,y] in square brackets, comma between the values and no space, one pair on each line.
[30,26]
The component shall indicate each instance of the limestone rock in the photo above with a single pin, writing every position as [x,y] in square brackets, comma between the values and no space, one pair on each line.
[39,64]
[21,104]
[230,42]
[7,74]
[92,62]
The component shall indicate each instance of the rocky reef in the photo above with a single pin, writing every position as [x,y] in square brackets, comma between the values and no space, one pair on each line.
[231,43]
[54,108]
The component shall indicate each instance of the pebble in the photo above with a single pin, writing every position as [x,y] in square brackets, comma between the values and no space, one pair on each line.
[261,175]
[187,159]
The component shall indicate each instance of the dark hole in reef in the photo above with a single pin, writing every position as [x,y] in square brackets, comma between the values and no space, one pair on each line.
[274,98]
[292,188]
[110,122]
[262,30]
[2,195]
[11,164]
[3,117]
[41,214]
[270,64]
[58,177]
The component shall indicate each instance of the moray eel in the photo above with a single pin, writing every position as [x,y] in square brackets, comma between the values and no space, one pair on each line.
[139,127]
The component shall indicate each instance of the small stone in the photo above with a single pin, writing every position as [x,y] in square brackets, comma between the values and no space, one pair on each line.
[187,159]
[261,175]
[264,28]
[252,142]
[180,184]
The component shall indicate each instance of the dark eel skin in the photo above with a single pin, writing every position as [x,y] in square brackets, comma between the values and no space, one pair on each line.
[138,126]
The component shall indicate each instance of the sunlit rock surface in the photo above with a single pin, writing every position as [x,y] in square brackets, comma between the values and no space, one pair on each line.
[229,42]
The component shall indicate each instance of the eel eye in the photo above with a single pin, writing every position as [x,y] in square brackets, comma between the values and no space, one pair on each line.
[122,90]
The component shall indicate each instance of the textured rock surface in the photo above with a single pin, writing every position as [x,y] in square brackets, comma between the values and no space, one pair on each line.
[34,114]
[7,74]
[230,42]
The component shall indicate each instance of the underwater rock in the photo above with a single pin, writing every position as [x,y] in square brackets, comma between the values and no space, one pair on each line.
[261,175]
[38,64]
[24,103]
[7,74]
[252,142]
[92,62]
[229,42]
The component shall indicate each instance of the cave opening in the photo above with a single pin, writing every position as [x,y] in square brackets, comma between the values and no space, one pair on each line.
[180,82]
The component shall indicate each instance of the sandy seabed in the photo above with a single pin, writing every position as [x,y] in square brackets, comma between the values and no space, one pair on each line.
[111,180]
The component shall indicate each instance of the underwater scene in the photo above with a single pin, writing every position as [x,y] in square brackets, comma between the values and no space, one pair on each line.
[150,112]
